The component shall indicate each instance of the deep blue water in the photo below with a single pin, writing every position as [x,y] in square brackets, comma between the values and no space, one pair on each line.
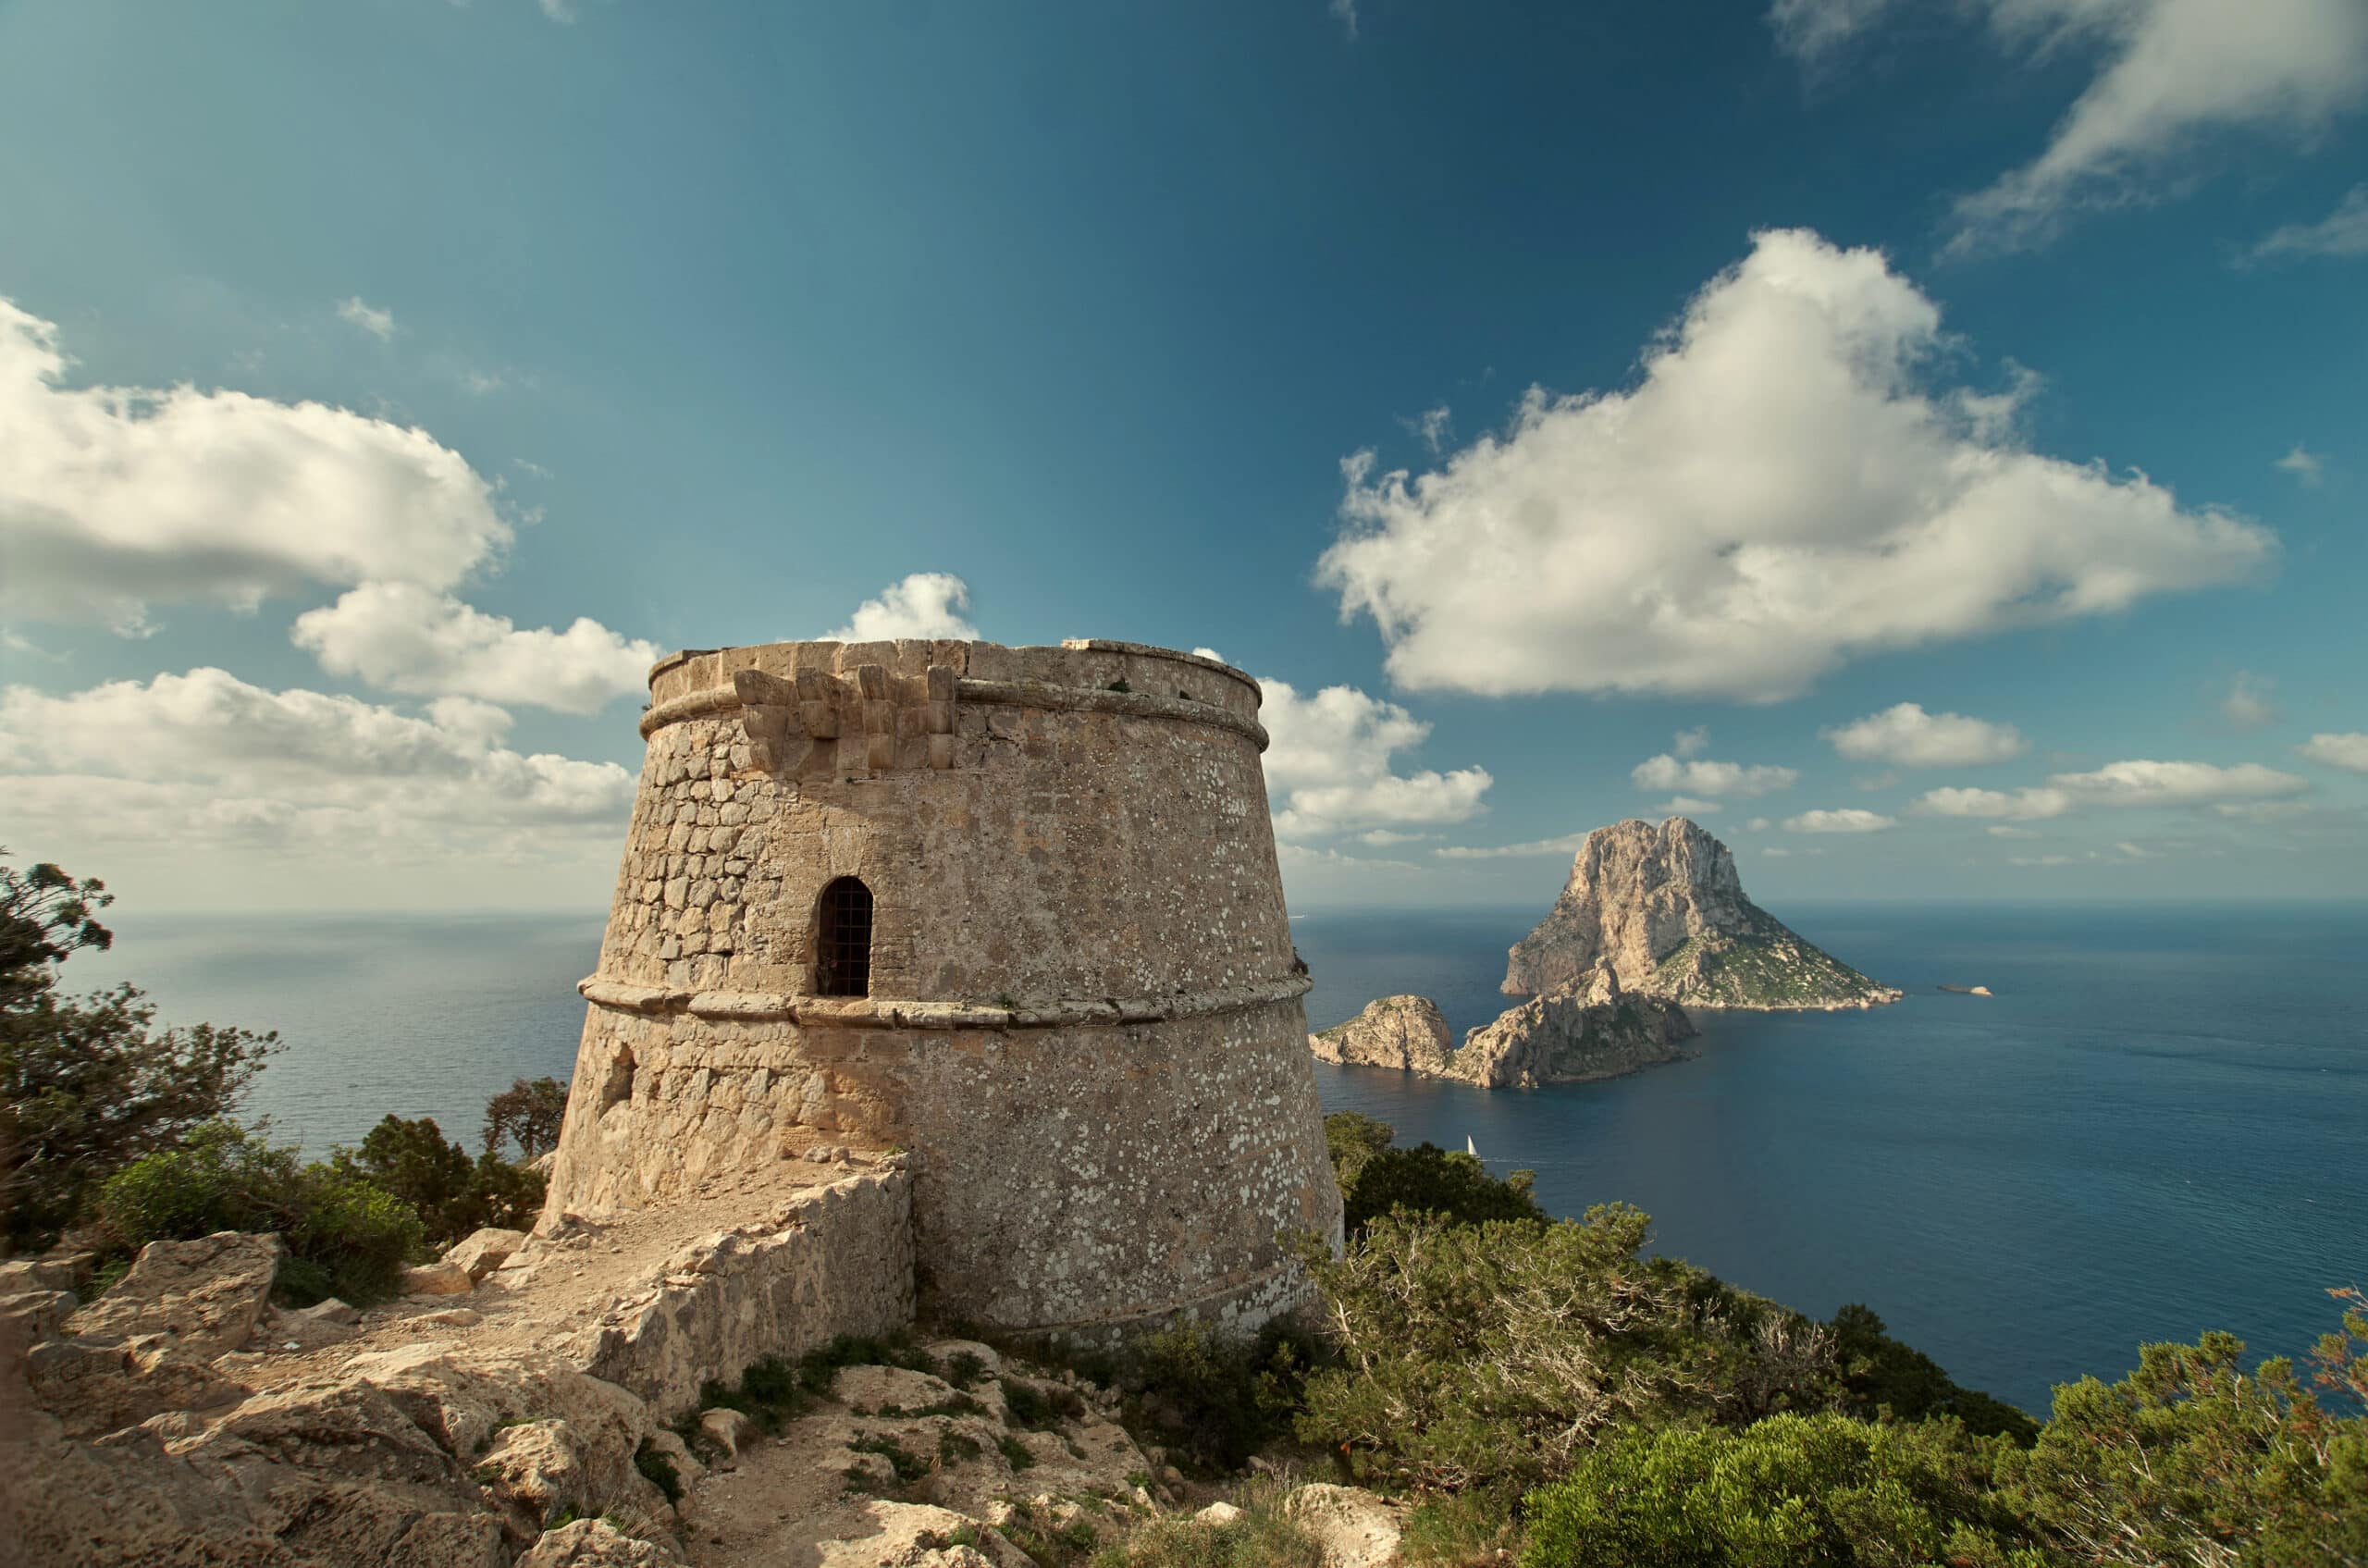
[2158,1125]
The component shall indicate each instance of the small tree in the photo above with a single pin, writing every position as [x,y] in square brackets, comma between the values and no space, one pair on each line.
[90,1084]
[452,1193]
[527,1114]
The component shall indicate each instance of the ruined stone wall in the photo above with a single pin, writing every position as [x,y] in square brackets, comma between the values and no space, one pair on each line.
[1084,1018]
[833,1261]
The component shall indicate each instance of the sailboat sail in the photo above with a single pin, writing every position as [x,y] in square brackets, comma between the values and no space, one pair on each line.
[1468,1148]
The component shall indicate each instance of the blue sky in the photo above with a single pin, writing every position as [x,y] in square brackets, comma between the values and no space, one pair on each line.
[381,383]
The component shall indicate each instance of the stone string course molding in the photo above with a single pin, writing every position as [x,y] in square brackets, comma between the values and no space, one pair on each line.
[1083,1020]
[871,1012]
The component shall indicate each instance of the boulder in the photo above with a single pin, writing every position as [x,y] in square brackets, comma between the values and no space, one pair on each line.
[208,1294]
[1407,1033]
[727,1429]
[1356,1528]
[95,1387]
[331,1311]
[912,1534]
[485,1251]
[70,1272]
[30,1315]
[595,1543]
[438,1279]
[1217,1514]
[539,1465]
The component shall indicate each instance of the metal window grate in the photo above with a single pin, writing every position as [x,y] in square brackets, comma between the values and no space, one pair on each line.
[843,940]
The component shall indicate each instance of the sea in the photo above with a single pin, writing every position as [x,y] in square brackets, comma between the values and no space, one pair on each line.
[2157,1124]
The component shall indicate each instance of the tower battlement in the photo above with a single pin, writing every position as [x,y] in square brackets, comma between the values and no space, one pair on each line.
[1014,910]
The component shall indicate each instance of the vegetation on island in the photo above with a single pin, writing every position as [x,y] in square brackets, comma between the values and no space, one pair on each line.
[116,1133]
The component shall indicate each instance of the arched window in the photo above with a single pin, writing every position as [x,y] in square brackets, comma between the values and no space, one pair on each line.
[843,940]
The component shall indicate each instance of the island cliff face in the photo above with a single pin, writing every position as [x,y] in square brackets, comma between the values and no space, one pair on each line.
[1661,908]
[1589,1031]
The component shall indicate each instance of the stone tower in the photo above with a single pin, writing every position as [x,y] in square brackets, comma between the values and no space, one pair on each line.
[1014,911]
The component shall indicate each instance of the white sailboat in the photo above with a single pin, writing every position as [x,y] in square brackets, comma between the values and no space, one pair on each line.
[1468,1148]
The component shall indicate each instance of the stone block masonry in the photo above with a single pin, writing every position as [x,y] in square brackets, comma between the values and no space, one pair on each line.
[1079,1012]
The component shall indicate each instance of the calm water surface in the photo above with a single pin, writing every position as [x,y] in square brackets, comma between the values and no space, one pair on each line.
[2157,1126]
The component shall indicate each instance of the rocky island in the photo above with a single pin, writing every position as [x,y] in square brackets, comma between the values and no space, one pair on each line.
[1590,1030]
[1662,909]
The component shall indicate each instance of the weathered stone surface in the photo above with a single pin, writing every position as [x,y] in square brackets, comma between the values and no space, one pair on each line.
[484,1251]
[70,1272]
[208,1294]
[1217,1514]
[1406,1033]
[35,1315]
[101,1385]
[595,1543]
[836,1261]
[438,1279]
[1356,1528]
[727,1429]
[1046,970]
[331,1311]
[1589,1031]
[1661,907]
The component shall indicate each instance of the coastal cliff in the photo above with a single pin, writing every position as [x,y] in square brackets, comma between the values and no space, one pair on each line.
[1588,1030]
[1660,906]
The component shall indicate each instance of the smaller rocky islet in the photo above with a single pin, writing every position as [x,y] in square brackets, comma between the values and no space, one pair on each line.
[1652,921]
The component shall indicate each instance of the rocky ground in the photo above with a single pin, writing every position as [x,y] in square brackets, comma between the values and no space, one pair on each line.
[179,1417]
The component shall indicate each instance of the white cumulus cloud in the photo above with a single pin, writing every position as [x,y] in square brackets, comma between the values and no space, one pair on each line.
[2306,466]
[2020,805]
[2175,784]
[113,499]
[1782,492]
[1568,843]
[1701,776]
[403,637]
[1849,819]
[202,770]
[1329,766]
[926,604]
[2168,72]
[1907,736]
[2348,751]
[2137,782]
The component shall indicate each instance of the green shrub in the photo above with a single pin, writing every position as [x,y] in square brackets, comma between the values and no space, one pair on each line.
[2189,1460]
[1880,1376]
[1264,1537]
[1212,1398]
[1457,1530]
[1791,1491]
[526,1114]
[1377,1178]
[345,1236]
[453,1195]
[1493,1355]
[89,1085]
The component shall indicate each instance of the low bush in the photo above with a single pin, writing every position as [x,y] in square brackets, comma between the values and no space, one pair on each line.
[346,1237]
[1263,1536]
[453,1195]
[1377,1178]
[1791,1491]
